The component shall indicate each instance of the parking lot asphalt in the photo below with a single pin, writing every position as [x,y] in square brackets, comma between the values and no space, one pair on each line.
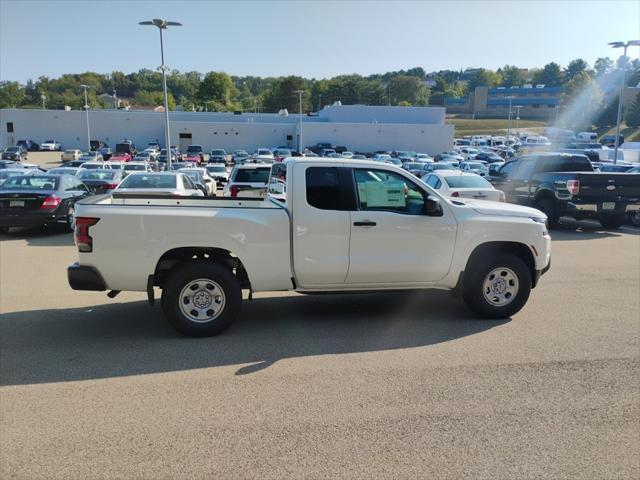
[351,386]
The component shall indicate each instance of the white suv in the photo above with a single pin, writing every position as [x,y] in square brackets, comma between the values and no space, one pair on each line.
[248,180]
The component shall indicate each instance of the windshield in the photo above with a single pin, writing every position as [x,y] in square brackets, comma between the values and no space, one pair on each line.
[131,167]
[218,152]
[8,173]
[63,171]
[216,168]
[101,174]
[23,182]
[442,166]
[476,166]
[195,176]
[253,175]
[12,149]
[467,181]
[264,152]
[149,181]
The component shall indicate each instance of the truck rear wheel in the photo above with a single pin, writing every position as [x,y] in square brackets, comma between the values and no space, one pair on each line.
[548,207]
[201,299]
[497,287]
[612,221]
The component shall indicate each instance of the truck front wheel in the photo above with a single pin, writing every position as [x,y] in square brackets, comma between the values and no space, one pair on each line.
[201,299]
[612,221]
[497,287]
[548,207]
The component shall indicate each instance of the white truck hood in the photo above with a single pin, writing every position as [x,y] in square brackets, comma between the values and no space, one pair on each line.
[486,207]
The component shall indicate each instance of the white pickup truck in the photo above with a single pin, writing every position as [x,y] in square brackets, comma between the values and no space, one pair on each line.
[342,226]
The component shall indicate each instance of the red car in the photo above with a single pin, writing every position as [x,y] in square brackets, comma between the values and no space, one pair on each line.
[192,158]
[120,157]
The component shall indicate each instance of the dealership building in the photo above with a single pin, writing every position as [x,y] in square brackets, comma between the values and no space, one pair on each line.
[358,127]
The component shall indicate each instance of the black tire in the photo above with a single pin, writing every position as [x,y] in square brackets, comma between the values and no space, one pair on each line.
[70,226]
[548,207]
[478,272]
[216,274]
[612,221]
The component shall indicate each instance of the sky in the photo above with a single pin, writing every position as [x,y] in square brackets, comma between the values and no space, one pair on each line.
[313,39]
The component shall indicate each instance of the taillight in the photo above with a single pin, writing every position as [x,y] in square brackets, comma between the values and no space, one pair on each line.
[82,237]
[455,194]
[573,186]
[110,186]
[233,191]
[50,203]
[501,196]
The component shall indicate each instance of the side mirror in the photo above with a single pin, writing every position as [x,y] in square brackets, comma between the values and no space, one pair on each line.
[432,206]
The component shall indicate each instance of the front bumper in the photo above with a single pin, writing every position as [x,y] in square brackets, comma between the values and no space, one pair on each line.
[539,273]
[82,277]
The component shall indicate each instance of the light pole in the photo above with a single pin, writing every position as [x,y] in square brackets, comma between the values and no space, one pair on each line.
[115,100]
[630,43]
[44,98]
[86,109]
[509,120]
[517,107]
[300,93]
[163,24]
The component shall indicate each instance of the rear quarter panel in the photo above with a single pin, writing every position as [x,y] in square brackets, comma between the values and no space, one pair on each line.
[128,241]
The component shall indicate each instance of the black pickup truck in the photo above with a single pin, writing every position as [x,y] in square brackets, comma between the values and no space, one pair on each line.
[561,184]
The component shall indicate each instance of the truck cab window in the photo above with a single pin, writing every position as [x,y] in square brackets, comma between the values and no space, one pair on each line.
[325,190]
[387,191]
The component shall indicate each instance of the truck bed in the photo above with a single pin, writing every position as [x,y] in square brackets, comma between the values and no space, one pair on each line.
[135,231]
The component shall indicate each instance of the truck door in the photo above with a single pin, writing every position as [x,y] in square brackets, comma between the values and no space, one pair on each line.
[320,224]
[392,240]
[520,181]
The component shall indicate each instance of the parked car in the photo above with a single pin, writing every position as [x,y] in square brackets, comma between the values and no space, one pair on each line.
[334,233]
[71,154]
[479,168]
[144,156]
[201,176]
[561,184]
[51,145]
[488,157]
[63,171]
[318,147]
[325,152]
[12,172]
[121,157]
[159,183]
[10,164]
[263,155]
[130,167]
[125,147]
[28,145]
[346,154]
[458,184]
[162,157]
[218,156]
[610,140]
[280,154]
[96,145]
[40,199]
[249,180]
[218,172]
[75,163]
[101,180]
[433,167]
[239,157]
[92,156]
[193,158]
[195,151]
[16,154]
[150,152]
[106,152]
[423,157]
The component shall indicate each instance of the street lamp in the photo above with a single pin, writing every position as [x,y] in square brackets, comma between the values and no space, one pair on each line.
[163,24]
[511,97]
[630,43]
[517,107]
[44,98]
[86,109]
[300,93]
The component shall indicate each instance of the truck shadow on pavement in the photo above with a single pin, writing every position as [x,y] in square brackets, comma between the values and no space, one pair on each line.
[573,230]
[40,236]
[122,339]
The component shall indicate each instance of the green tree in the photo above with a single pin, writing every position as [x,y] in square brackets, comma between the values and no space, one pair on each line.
[280,94]
[608,115]
[12,95]
[405,88]
[483,78]
[153,99]
[633,114]
[550,75]
[217,87]
[512,76]
[602,65]
[576,67]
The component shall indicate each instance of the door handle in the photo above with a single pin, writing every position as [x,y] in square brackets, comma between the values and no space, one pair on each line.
[365,223]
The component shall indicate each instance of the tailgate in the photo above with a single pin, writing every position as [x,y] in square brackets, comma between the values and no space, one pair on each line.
[609,187]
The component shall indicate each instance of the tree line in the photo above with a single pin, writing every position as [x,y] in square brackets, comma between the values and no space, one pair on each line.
[218,91]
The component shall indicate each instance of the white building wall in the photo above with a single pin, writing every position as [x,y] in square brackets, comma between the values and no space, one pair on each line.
[370,137]
[383,114]
[231,132]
